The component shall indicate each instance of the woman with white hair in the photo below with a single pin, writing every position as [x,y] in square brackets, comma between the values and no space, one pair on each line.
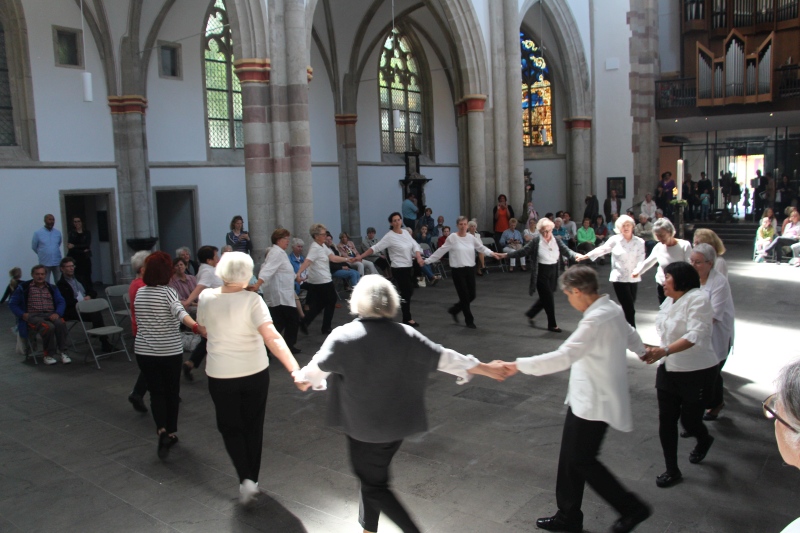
[668,250]
[627,251]
[377,371]
[784,408]
[715,284]
[238,325]
[472,229]
[544,251]
[462,248]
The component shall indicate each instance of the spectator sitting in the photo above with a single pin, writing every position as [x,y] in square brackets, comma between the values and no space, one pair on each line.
[611,224]
[379,260]
[530,231]
[644,230]
[445,234]
[572,230]
[585,237]
[426,220]
[183,283]
[39,307]
[764,235]
[510,241]
[559,231]
[789,211]
[424,237]
[649,207]
[600,230]
[424,270]
[73,292]
[192,266]
[46,243]
[341,270]
[16,276]
[790,236]
[439,227]
[346,248]
[659,214]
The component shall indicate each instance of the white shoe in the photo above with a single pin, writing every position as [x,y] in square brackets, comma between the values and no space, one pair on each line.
[49,360]
[247,491]
[65,359]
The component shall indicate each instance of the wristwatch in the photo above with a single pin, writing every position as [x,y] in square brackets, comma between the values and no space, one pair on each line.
[666,350]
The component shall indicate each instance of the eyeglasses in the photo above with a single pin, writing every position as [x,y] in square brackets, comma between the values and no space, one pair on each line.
[695,263]
[768,407]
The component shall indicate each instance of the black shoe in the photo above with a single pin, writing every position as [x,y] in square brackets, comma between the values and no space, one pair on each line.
[555,329]
[627,523]
[667,480]
[163,445]
[472,326]
[556,523]
[294,350]
[304,327]
[412,323]
[187,373]
[700,451]
[685,434]
[137,402]
[454,313]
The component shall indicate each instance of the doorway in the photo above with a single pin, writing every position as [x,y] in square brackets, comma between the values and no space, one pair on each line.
[176,218]
[97,209]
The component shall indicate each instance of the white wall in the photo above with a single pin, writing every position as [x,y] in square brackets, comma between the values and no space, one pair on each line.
[669,35]
[326,201]
[550,178]
[321,111]
[612,122]
[68,128]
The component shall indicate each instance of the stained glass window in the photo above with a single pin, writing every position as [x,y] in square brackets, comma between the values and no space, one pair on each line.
[537,94]
[400,90]
[223,92]
[6,109]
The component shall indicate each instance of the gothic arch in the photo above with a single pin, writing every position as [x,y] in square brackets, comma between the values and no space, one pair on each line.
[20,81]
[249,22]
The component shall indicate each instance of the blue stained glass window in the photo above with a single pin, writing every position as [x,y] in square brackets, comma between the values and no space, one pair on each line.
[537,95]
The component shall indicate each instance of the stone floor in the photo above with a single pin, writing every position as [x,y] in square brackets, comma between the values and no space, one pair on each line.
[74,456]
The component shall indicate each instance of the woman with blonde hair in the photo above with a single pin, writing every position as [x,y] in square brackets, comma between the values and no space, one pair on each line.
[708,236]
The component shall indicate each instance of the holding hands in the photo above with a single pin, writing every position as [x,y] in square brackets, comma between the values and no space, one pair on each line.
[497,370]
[653,354]
[581,257]
[498,256]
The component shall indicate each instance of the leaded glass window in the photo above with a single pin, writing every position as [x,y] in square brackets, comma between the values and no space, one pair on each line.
[223,91]
[6,109]
[537,93]
[400,89]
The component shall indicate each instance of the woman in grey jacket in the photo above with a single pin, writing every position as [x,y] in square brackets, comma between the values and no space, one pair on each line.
[378,372]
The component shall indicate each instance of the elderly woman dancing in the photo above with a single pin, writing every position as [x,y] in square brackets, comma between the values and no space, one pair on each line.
[684,379]
[238,327]
[544,251]
[378,370]
[704,259]
[668,250]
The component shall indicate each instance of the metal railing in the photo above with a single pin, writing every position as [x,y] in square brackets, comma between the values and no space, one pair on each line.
[787,80]
[680,92]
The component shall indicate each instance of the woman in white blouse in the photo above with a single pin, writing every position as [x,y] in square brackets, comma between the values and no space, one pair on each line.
[668,250]
[719,293]
[278,274]
[462,247]
[709,236]
[627,251]
[402,248]
[687,369]
[238,327]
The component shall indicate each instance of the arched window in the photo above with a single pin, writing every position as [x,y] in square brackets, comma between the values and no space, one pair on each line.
[7,137]
[400,97]
[537,93]
[223,92]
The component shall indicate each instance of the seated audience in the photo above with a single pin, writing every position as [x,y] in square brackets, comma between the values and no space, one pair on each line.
[347,248]
[644,230]
[572,230]
[73,292]
[342,269]
[426,221]
[789,236]
[443,237]
[379,260]
[16,277]
[600,230]
[649,206]
[559,232]
[585,237]
[764,236]
[192,266]
[183,283]
[510,241]
[530,231]
[424,237]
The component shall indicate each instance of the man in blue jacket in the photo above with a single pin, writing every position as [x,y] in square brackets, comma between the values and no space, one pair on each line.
[39,307]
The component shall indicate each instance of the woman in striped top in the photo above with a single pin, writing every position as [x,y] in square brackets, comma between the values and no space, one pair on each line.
[158,346]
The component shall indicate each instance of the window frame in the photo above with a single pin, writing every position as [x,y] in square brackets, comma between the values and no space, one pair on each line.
[78,34]
[178,60]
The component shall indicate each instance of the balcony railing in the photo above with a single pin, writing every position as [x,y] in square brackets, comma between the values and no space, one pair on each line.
[675,93]
[788,81]
[738,13]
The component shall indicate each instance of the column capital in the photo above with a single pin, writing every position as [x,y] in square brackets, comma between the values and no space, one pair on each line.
[473,103]
[129,103]
[346,120]
[309,74]
[252,70]
[578,123]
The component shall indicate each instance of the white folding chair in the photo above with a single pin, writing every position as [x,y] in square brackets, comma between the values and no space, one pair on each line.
[122,311]
[491,262]
[98,306]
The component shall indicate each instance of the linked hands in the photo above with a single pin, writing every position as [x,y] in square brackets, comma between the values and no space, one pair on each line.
[652,354]
[300,381]
[581,257]
[497,370]
[499,256]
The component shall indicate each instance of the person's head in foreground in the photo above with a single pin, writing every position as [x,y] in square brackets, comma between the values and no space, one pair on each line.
[784,408]
[579,284]
[235,269]
[374,297]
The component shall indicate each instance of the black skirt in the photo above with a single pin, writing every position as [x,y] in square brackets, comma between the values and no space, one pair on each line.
[690,386]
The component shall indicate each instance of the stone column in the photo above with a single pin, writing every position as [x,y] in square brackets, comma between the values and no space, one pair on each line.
[254,77]
[515,180]
[580,163]
[133,172]
[499,151]
[349,204]
[463,159]
[474,104]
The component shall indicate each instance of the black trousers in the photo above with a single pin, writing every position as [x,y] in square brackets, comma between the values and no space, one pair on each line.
[199,353]
[370,463]
[661,295]
[578,465]
[163,376]
[626,294]
[140,387]
[778,245]
[681,396]
[715,398]
[241,404]
[286,321]
[403,278]
[546,284]
[321,298]
[464,281]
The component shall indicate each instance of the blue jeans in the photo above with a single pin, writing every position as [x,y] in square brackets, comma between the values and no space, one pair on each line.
[350,276]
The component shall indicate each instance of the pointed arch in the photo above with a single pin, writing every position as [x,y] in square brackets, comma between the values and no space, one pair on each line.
[21,141]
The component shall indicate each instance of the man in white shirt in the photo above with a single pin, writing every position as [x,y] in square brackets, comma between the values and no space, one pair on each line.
[207,278]
[649,207]
[597,396]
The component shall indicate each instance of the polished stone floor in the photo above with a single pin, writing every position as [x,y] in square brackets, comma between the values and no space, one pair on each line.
[74,456]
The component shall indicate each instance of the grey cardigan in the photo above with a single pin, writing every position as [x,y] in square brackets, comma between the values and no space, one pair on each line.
[531,250]
[379,373]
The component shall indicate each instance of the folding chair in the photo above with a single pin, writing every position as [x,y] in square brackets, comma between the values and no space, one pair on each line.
[489,261]
[118,291]
[96,306]
[438,267]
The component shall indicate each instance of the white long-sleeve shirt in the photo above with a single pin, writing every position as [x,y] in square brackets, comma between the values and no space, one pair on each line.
[689,318]
[664,255]
[625,257]
[462,250]
[719,294]
[278,275]
[402,248]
